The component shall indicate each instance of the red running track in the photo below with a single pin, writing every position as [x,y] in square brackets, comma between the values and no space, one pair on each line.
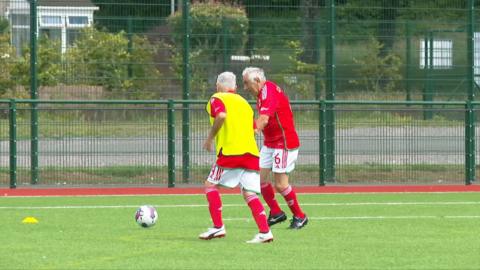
[199,190]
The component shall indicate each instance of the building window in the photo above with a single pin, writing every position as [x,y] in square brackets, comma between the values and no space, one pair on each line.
[77,20]
[20,24]
[51,33]
[442,54]
[20,39]
[51,21]
[20,20]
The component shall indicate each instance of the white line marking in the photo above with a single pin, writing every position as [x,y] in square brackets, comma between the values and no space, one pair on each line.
[389,203]
[372,218]
[238,205]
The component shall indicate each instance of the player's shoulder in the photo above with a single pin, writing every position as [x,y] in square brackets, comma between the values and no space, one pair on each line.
[270,85]
[273,87]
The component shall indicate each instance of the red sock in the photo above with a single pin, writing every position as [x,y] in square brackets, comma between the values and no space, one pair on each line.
[258,213]
[291,198]
[214,206]
[268,194]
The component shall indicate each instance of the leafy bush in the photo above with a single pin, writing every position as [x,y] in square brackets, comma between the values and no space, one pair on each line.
[7,63]
[104,59]
[376,72]
[300,76]
[50,71]
[207,21]
[4,26]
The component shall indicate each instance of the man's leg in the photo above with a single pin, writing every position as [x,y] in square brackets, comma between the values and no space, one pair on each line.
[258,213]
[214,204]
[288,193]
[276,214]
[268,193]
[283,187]
[215,208]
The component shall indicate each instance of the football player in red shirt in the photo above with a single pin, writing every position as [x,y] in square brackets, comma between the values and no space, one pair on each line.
[280,148]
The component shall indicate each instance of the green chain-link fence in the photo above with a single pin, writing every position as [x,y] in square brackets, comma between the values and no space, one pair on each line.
[397,50]
[140,143]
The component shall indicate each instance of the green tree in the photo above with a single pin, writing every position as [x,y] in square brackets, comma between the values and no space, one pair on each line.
[50,71]
[4,26]
[105,59]
[379,17]
[311,13]
[7,63]
[135,15]
[375,72]
[300,76]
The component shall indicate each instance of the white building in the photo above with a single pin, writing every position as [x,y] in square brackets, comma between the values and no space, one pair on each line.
[57,19]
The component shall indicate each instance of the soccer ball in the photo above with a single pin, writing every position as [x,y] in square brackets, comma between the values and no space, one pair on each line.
[146,216]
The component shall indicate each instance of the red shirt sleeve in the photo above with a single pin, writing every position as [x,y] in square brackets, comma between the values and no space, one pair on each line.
[268,100]
[216,107]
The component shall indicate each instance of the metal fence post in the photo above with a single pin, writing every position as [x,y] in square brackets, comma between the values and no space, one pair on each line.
[186,93]
[408,75]
[171,143]
[470,117]
[428,66]
[225,39]
[470,51]
[330,94]
[318,58]
[130,46]
[34,92]
[322,143]
[12,116]
[469,143]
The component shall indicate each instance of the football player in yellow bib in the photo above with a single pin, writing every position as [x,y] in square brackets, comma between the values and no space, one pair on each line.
[232,134]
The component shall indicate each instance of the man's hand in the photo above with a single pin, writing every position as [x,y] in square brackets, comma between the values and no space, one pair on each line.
[217,124]
[261,122]
[208,145]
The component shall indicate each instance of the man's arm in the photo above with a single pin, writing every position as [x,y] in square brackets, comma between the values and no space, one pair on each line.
[217,124]
[261,122]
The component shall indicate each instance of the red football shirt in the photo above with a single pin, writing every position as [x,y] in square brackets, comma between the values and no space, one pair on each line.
[280,131]
[245,161]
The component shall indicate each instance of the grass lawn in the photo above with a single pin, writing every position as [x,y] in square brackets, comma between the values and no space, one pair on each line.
[346,231]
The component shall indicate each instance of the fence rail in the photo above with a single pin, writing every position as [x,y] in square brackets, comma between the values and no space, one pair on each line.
[355,49]
[117,142]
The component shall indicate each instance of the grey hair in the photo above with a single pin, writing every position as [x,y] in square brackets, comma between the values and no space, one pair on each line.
[252,73]
[227,79]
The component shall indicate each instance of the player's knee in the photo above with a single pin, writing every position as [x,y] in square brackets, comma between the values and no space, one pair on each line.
[281,186]
[207,184]
[248,195]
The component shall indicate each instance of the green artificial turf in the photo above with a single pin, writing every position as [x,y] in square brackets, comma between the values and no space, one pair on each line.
[346,231]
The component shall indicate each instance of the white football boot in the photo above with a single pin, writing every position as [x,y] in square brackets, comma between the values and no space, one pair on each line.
[213,233]
[262,238]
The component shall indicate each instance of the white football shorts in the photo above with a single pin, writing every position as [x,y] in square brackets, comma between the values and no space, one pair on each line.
[248,180]
[279,160]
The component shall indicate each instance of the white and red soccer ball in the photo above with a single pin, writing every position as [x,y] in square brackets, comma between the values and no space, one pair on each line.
[146,216]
